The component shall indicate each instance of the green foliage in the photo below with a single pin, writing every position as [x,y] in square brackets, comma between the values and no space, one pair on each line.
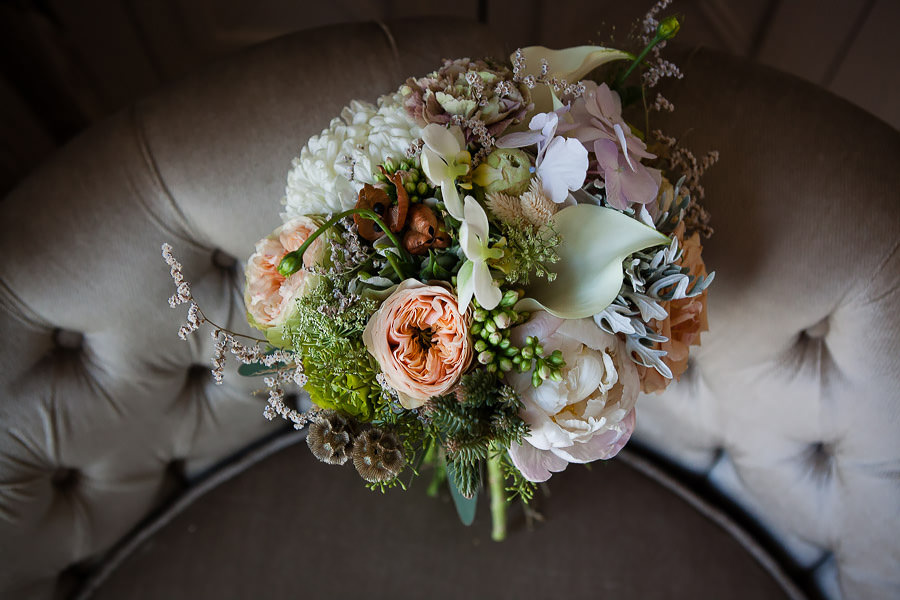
[480,414]
[516,484]
[528,252]
[327,331]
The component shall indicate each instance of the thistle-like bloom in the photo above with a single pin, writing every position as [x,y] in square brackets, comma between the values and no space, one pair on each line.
[444,160]
[474,278]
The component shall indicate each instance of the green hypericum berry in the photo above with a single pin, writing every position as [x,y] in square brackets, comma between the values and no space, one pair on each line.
[524,366]
[509,350]
[404,166]
[539,350]
[517,359]
[505,344]
[485,333]
[476,328]
[495,338]
[422,187]
[509,298]
[543,370]
[480,315]
[502,320]
[531,340]
[480,346]
[491,368]
[410,187]
[486,357]
[556,376]
[536,380]
[506,365]
[414,176]
[556,359]
[527,353]
[490,326]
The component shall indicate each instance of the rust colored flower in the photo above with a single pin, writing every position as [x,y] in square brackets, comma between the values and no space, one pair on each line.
[686,320]
[424,231]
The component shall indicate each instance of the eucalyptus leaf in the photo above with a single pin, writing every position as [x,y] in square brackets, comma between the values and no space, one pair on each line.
[465,507]
[595,242]
[258,369]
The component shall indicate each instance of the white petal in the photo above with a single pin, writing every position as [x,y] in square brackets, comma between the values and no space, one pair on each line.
[441,140]
[434,167]
[536,465]
[488,294]
[476,219]
[624,143]
[451,199]
[520,139]
[563,168]
[465,286]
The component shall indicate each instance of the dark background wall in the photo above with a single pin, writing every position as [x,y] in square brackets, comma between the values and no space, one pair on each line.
[64,64]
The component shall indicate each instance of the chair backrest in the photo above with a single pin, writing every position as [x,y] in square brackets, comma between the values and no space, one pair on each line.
[791,404]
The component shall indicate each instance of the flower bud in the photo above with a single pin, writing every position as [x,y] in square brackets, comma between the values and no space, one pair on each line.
[668,27]
[490,326]
[509,298]
[505,170]
[290,264]
[527,353]
[486,357]
[506,365]
[556,376]
[480,346]
[495,338]
[476,328]
[543,371]
[480,315]
[422,187]
[502,320]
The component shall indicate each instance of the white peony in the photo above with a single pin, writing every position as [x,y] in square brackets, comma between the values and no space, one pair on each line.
[334,165]
[587,416]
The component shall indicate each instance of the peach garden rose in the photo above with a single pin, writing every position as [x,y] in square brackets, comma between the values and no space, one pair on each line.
[421,341]
[268,294]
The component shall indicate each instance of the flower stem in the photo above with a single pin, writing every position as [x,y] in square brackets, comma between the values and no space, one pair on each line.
[665,31]
[498,497]
[293,261]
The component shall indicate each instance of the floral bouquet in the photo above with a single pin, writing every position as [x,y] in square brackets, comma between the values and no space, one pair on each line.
[479,274]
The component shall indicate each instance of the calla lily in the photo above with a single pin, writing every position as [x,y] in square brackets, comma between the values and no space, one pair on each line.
[474,277]
[444,160]
[570,64]
[595,241]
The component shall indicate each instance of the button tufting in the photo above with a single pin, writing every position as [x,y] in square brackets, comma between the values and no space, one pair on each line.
[223,260]
[65,478]
[820,458]
[817,331]
[67,339]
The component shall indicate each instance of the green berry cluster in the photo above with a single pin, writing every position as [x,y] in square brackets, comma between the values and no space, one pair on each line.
[496,352]
[532,357]
[414,180]
[490,328]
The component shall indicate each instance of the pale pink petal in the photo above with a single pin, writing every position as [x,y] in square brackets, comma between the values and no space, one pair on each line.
[536,465]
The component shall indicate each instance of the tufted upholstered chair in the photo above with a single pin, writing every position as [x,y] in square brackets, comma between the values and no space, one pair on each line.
[790,407]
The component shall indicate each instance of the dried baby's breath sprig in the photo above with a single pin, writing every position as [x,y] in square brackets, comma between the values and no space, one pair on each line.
[276,406]
[679,159]
[662,104]
[565,91]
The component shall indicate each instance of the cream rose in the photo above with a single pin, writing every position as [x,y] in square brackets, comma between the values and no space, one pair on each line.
[587,416]
[421,341]
[268,295]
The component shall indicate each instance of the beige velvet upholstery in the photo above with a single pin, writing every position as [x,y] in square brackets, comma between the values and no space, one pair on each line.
[791,405]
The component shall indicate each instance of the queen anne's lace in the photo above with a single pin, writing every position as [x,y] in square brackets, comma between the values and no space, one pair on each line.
[334,165]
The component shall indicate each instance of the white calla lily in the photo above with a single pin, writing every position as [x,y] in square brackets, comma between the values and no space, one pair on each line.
[595,241]
[474,277]
[570,64]
[444,159]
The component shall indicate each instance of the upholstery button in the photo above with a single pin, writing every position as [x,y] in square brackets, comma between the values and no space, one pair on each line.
[68,340]
[224,261]
[64,479]
[817,331]
[820,458]
[197,373]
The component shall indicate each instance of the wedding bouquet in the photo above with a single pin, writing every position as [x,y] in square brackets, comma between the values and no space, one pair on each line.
[481,272]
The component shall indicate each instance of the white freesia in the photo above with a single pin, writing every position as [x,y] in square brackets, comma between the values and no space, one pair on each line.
[444,159]
[474,277]
[334,165]
[589,414]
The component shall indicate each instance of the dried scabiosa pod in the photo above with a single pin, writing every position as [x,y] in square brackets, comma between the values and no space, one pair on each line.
[378,455]
[330,438]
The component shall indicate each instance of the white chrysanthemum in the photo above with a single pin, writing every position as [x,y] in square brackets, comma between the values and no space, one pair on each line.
[334,165]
